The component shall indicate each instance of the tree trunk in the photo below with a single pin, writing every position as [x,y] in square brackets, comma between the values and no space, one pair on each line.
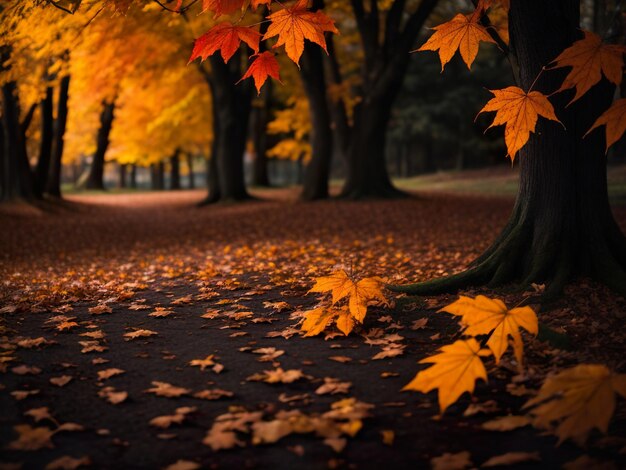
[318,169]
[122,168]
[190,169]
[260,119]
[367,166]
[45,150]
[60,123]
[562,225]
[17,175]
[232,104]
[133,176]
[175,171]
[96,174]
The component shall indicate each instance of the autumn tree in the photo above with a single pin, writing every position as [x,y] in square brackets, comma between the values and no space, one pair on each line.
[562,225]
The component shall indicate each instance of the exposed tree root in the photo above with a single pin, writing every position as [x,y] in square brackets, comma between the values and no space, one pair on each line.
[521,256]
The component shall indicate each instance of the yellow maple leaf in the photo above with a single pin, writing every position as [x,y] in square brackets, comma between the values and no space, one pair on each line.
[483,315]
[579,399]
[454,372]
[614,119]
[294,24]
[359,293]
[317,320]
[589,59]
[463,33]
[518,111]
[345,321]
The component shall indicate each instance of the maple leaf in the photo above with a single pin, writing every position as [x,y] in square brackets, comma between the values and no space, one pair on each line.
[226,38]
[589,58]
[222,7]
[518,111]
[163,389]
[614,119]
[294,24]
[204,363]
[139,334]
[463,33]
[32,438]
[360,293]
[579,399]
[483,315]
[454,372]
[317,320]
[264,66]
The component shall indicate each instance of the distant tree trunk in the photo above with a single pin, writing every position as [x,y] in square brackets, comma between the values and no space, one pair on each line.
[96,173]
[260,120]
[384,68]
[318,170]
[232,105]
[60,123]
[561,225]
[122,168]
[175,171]
[45,150]
[133,176]
[337,107]
[190,169]
[18,182]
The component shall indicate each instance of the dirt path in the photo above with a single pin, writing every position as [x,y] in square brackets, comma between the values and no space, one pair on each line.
[233,279]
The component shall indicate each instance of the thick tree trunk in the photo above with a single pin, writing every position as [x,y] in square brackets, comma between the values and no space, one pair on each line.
[45,150]
[318,169]
[232,105]
[17,174]
[96,174]
[562,225]
[60,123]
[175,171]
[190,169]
[367,167]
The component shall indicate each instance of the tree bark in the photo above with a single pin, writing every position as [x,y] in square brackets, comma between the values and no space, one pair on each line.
[133,176]
[60,123]
[385,65]
[190,169]
[122,169]
[45,150]
[232,104]
[318,170]
[260,120]
[562,225]
[96,173]
[17,174]
[175,171]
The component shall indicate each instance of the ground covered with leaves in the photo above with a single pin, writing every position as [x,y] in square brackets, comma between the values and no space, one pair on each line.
[142,331]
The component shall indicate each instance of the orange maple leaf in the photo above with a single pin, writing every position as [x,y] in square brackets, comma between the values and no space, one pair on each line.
[589,58]
[463,33]
[614,119]
[226,38]
[295,24]
[265,65]
[518,111]
[222,7]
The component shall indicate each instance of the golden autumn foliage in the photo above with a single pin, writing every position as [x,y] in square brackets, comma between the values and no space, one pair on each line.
[455,371]
[459,365]
[482,316]
[355,296]
[577,400]
[518,111]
